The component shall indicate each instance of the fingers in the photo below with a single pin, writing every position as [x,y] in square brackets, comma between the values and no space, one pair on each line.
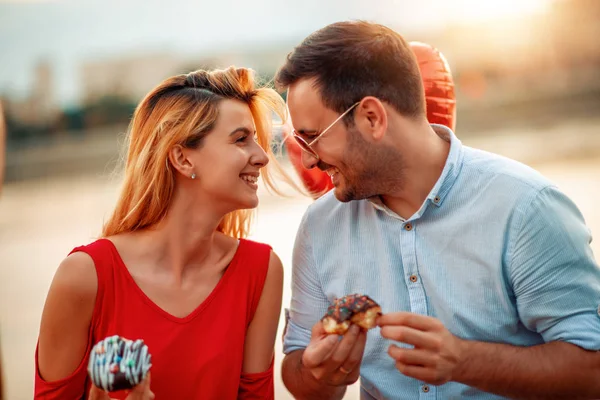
[351,367]
[341,365]
[317,352]
[143,386]
[412,320]
[415,337]
[318,330]
[97,394]
[345,346]
[414,371]
[138,392]
[356,354]
[414,357]
[142,391]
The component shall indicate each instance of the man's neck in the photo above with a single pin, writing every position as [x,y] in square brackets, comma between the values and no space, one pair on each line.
[423,169]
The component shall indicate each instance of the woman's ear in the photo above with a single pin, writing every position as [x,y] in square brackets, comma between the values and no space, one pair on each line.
[181,162]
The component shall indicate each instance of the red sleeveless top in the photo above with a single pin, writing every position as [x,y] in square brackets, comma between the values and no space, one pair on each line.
[196,357]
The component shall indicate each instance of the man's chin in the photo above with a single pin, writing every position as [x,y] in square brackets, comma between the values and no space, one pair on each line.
[342,195]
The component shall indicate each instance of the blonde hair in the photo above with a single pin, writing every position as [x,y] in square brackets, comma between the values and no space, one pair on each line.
[182,110]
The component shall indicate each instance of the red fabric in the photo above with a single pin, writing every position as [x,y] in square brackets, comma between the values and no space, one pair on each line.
[196,357]
[441,109]
[257,386]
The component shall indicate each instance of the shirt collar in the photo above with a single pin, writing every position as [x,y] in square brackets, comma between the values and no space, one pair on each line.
[451,168]
[446,179]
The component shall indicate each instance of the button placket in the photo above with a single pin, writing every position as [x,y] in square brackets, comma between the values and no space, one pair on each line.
[416,291]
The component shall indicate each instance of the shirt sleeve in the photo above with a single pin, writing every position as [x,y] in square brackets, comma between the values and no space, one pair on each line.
[555,279]
[308,303]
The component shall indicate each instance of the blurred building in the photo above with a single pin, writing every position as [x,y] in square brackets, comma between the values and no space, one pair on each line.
[129,77]
[40,107]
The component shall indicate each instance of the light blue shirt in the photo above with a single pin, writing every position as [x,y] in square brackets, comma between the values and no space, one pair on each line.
[496,252]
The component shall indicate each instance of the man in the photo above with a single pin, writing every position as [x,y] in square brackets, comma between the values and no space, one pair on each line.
[482,266]
[440,103]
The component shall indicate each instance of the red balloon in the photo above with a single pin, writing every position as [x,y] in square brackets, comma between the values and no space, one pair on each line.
[438,84]
[441,109]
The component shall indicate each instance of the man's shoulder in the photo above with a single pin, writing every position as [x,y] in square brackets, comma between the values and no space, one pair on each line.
[505,172]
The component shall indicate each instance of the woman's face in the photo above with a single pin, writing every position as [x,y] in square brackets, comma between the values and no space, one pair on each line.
[228,163]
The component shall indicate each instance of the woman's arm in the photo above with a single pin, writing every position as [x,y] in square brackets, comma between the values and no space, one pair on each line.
[261,334]
[2,153]
[64,330]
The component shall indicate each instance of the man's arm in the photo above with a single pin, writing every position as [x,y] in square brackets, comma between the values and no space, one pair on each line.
[327,366]
[301,382]
[317,365]
[551,370]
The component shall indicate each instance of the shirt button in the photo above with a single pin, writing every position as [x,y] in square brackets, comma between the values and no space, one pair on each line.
[413,278]
[436,199]
[408,227]
[425,388]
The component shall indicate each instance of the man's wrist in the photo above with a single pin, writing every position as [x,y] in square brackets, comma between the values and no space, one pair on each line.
[464,349]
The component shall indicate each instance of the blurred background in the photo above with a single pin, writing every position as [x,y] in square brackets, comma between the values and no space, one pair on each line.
[527,74]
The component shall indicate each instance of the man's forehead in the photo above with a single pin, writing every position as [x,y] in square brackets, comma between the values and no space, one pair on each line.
[304,94]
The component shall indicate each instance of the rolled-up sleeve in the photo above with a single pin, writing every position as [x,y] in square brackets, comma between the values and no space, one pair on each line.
[308,303]
[555,279]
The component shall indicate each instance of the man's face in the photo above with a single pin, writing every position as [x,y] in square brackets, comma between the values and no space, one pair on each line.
[343,153]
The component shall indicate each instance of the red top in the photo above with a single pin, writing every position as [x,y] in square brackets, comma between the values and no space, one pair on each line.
[196,357]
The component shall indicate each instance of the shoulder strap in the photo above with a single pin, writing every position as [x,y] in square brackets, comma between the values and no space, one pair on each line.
[101,253]
[256,259]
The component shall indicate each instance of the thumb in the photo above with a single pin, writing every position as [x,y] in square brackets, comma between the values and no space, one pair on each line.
[317,352]
[142,391]
[97,394]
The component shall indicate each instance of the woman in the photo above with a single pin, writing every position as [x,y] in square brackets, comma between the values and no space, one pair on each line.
[172,267]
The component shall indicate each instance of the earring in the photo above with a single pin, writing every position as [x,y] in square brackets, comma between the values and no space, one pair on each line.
[193,175]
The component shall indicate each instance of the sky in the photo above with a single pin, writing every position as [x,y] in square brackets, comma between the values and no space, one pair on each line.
[67,33]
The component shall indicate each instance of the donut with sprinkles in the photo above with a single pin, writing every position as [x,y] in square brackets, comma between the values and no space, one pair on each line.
[117,363]
[356,309]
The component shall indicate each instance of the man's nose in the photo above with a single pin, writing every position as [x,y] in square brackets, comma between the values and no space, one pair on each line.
[308,160]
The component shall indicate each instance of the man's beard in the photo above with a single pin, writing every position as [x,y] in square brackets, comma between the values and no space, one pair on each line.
[375,170]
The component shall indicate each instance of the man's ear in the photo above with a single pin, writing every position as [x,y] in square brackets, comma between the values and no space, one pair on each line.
[371,118]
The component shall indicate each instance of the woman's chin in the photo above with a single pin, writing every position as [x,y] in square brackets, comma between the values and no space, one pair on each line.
[249,203]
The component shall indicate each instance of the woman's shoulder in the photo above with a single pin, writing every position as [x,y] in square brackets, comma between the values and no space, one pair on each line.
[254,245]
[77,273]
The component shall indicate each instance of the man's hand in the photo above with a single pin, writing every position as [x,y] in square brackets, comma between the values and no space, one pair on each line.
[333,361]
[139,392]
[436,355]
